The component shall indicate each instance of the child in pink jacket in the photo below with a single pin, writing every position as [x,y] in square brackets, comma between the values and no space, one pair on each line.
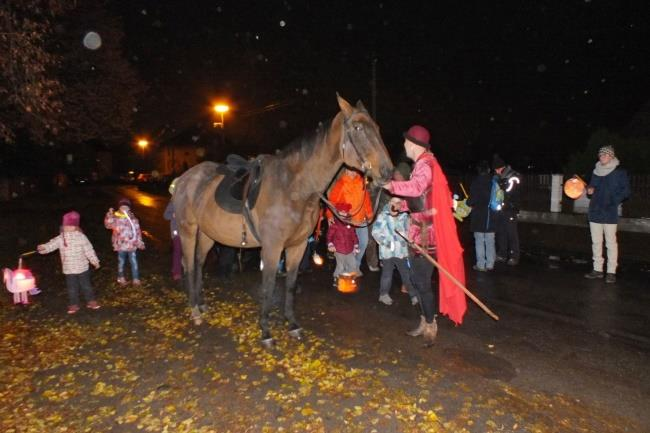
[127,239]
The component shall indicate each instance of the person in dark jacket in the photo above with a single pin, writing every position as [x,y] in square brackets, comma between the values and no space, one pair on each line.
[482,218]
[608,187]
[507,234]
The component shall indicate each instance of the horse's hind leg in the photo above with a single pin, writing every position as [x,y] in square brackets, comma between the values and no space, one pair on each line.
[293,257]
[203,246]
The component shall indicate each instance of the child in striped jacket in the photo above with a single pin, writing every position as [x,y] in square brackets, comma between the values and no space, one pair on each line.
[76,252]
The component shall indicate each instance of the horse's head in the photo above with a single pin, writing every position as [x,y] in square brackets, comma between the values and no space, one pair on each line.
[361,143]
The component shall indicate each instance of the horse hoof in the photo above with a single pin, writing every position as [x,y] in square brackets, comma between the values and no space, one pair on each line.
[268,343]
[296,333]
[203,308]
[197,320]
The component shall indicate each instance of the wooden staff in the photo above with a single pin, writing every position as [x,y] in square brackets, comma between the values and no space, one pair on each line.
[451,277]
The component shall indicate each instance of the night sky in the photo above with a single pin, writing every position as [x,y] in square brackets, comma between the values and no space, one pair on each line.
[531,80]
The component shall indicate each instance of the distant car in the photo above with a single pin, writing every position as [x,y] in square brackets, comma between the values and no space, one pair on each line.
[144,177]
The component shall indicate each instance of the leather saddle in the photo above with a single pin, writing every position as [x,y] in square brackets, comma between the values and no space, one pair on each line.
[240,185]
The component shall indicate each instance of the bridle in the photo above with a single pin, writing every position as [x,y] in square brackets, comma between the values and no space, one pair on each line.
[346,139]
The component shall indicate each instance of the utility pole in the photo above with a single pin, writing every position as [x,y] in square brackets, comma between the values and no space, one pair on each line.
[373,89]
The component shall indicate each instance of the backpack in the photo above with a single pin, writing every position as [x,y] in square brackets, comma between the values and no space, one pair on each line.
[496,195]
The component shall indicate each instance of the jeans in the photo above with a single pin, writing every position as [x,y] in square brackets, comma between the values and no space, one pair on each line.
[485,250]
[421,272]
[133,260]
[386,280]
[609,231]
[362,234]
[74,282]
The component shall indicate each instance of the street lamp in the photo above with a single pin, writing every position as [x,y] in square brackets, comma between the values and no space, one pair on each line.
[143,143]
[220,109]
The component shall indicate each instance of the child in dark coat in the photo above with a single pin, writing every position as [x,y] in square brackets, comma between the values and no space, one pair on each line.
[342,240]
[482,218]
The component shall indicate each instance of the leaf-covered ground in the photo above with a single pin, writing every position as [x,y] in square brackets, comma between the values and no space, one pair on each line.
[138,364]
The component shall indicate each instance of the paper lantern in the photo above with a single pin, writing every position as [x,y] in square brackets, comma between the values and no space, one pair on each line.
[347,283]
[574,187]
[20,282]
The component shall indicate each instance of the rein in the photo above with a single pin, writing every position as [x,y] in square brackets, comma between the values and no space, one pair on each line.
[345,139]
[347,220]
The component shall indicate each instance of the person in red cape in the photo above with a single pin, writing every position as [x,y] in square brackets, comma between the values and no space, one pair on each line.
[429,200]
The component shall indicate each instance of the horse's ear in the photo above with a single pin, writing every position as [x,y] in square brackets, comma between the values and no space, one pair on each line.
[360,106]
[344,105]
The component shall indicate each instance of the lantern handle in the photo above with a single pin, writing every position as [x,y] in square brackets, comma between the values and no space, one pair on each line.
[580,179]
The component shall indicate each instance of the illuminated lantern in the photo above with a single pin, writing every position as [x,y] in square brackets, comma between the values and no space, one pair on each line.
[318,259]
[347,283]
[575,187]
[20,282]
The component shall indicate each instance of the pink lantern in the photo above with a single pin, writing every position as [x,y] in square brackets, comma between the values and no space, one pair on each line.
[20,282]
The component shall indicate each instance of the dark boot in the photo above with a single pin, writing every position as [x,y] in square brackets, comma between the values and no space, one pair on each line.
[419,330]
[430,332]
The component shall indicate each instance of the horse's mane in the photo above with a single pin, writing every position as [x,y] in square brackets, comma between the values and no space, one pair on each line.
[304,146]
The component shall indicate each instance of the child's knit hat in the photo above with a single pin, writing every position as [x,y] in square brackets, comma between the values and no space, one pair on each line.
[124,202]
[343,207]
[71,219]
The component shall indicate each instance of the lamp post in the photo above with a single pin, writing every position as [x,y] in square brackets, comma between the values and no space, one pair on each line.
[143,143]
[220,109]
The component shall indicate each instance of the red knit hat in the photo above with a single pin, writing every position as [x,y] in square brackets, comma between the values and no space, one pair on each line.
[71,219]
[343,207]
[419,135]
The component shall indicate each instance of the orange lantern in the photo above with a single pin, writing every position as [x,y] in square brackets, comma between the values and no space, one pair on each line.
[575,187]
[347,283]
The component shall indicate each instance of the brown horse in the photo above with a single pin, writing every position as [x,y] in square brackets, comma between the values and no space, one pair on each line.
[287,207]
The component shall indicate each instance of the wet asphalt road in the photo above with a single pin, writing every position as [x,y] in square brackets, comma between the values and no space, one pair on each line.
[558,332]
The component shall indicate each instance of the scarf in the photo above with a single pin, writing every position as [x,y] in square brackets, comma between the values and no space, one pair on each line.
[605,169]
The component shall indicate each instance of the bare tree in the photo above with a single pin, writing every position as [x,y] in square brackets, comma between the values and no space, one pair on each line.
[29,90]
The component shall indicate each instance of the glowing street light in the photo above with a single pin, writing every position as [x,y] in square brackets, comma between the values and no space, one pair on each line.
[142,144]
[220,109]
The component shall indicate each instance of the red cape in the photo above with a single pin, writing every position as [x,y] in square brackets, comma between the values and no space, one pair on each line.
[449,251]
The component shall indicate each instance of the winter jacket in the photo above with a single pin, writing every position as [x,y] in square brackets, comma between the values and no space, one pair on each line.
[510,182]
[343,236]
[391,245]
[126,231]
[482,218]
[351,189]
[419,184]
[75,250]
[609,192]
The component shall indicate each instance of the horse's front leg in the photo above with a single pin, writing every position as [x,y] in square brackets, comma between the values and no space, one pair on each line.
[293,257]
[188,233]
[270,259]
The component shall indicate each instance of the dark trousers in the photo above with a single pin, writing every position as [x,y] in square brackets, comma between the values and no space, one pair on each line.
[372,251]
[507,236]
[386,280]
[177,253]
[74,282]
[421,273]
[227,259]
